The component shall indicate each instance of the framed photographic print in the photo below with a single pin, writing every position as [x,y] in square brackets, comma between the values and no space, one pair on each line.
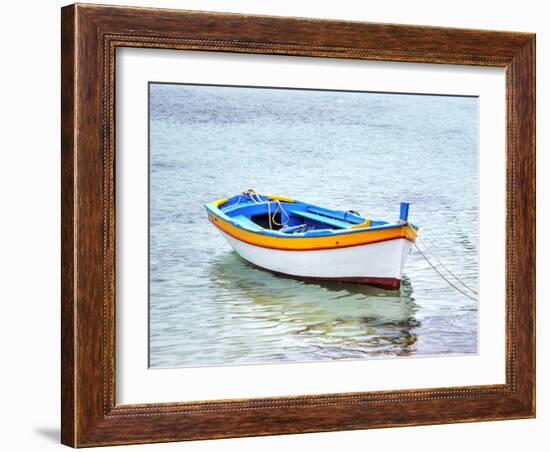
[281,225]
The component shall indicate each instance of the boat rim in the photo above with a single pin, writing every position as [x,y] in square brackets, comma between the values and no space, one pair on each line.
[214,209]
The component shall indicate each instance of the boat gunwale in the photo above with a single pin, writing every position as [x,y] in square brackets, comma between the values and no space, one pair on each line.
[213,208]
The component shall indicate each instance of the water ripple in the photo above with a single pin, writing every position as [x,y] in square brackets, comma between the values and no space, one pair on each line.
[352,151]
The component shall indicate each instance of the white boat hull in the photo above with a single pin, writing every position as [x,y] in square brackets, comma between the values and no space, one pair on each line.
[378,264]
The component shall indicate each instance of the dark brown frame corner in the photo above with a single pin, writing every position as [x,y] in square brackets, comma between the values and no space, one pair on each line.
[90,35]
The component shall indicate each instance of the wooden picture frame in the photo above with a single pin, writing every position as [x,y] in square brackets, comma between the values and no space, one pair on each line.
[90,35]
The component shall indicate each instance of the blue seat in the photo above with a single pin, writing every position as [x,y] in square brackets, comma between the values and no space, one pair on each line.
[247,223]
[322,219]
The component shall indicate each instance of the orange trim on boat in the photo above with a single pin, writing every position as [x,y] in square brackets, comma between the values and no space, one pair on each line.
[279,198]
[219,202]
[365,224]
[313,243]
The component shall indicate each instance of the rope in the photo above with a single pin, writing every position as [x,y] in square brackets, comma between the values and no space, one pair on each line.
[466,294]
[256,199]
[458,279]
[269,214]
[254,196]
[280,207]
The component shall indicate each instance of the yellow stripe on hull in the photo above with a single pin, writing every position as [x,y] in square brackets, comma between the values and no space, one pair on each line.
[314,243]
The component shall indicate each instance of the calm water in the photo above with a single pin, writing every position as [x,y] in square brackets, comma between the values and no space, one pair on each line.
[358,151]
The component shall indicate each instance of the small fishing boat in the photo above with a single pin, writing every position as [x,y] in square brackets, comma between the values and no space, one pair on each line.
[306,241]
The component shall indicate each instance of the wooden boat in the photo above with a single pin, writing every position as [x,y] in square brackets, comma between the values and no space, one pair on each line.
[306,241]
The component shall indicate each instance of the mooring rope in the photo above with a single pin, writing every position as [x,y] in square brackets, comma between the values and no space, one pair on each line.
[466,294]
[446,268]
[457,278]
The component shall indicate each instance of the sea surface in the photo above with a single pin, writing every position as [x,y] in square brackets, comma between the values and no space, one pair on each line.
[345,150]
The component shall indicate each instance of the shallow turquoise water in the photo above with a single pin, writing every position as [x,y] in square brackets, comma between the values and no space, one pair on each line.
[360,151]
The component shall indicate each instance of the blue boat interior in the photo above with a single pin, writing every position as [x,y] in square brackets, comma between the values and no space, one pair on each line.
[284,216]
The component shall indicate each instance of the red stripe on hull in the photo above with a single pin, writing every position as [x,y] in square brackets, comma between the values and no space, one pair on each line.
[379,282]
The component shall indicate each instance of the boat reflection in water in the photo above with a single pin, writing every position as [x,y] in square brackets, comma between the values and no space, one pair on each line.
[278,319]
